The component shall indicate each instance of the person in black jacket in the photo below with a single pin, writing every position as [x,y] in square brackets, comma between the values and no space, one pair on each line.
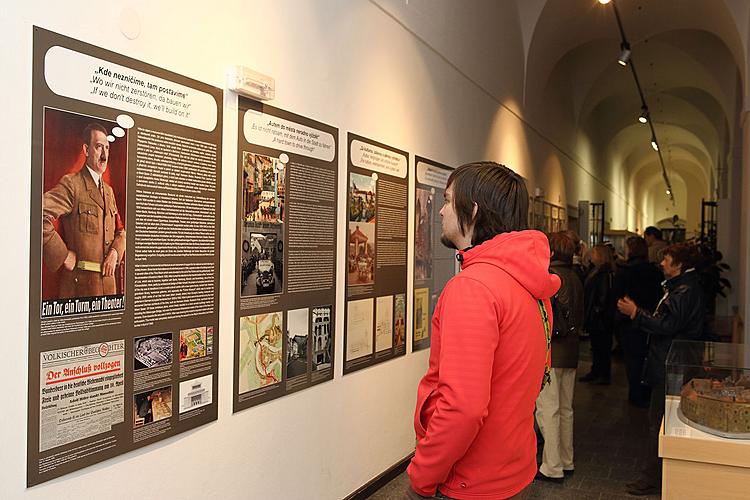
[599,310]
[640,280]
[680,314]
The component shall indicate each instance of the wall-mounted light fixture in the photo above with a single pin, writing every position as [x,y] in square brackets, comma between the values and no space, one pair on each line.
[250,83]
[654,144]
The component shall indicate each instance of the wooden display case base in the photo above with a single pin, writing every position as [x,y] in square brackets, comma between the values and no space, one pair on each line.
[697,465]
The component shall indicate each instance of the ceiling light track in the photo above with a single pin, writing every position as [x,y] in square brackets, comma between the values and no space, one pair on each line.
[626,59]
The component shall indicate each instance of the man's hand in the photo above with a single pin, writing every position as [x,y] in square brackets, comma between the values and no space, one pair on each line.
[627,307]
[70,261]
[109,264]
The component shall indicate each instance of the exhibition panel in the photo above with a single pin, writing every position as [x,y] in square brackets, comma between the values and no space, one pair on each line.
[124,268]
[434,262]
[285,253]
[378,180]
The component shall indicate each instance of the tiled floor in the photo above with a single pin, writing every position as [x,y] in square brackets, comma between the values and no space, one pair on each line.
[609,438]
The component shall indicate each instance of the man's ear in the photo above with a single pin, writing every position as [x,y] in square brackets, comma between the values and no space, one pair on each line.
[474,211]
[85,150]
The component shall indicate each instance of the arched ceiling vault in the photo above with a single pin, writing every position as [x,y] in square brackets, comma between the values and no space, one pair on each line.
[563,25]
[632,148]
[691,66]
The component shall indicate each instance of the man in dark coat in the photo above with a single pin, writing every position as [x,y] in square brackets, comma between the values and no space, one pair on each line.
[640,280]
[679,315]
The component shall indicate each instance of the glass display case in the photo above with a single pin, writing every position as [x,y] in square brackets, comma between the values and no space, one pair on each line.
[708,390]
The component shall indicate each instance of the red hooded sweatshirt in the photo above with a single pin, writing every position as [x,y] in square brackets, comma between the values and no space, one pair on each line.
[475,406]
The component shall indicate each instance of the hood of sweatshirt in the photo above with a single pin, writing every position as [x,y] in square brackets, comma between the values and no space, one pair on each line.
[522,254]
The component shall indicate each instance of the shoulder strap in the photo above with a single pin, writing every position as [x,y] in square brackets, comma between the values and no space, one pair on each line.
[548,339]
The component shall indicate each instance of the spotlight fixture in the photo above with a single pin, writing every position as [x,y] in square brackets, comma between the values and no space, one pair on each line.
[654,144]
[604,2]
[644,115]
[669,192]
[625,55]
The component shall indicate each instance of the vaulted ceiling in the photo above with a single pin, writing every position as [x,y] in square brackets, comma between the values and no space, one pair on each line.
[691,64]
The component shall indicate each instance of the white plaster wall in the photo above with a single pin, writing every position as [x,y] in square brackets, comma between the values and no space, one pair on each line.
[343,62]
[351,63]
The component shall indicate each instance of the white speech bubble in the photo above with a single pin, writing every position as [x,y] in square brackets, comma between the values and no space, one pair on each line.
[372,157]
[125,121]
[284,158]
[111,138]
[89,79]
[118,132]
[432,175]
[277,133]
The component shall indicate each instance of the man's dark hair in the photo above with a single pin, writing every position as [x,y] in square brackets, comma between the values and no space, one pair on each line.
[500,194]
[563,246]
[637,247]
[685,254]
[88,132]
[652,231]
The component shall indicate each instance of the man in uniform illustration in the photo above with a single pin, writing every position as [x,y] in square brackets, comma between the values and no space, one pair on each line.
[91,243]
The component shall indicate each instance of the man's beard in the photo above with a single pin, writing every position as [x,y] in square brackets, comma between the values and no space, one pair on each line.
[446,242]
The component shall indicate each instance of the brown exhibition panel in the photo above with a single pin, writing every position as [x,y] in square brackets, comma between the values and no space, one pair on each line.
[434,263]
[377,219]
[285,283]
[124,264]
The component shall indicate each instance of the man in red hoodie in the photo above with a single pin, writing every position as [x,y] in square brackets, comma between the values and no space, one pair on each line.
[475,406]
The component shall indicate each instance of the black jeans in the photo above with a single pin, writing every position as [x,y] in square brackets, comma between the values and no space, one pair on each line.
[413,495]
[635,348]
[601,353]
[652,465]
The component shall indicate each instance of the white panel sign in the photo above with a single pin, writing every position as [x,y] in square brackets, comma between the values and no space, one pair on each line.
[378,159]
[432,175]
[79,76]
[277,133]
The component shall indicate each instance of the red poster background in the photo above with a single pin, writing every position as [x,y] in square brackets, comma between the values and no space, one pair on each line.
[63,154]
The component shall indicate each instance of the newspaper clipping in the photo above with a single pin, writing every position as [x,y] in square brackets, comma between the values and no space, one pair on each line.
[82,392]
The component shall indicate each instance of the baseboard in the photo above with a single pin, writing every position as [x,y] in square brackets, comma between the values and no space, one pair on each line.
[381,480]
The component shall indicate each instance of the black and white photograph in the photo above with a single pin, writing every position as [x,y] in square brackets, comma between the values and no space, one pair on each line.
[152,351]
[297,331]
[262,261]
[321,328]
[196,393]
